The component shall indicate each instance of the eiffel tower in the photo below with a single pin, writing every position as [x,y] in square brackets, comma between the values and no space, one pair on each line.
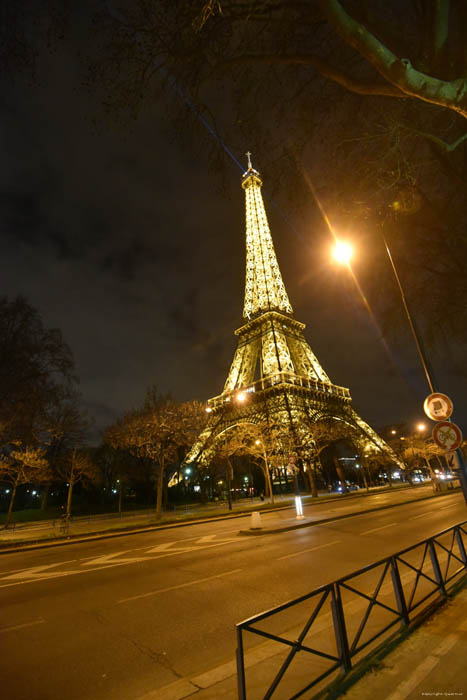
[275,378]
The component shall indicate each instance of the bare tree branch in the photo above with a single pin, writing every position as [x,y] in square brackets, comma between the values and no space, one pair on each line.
[326,70]
[448,147]
[396,70]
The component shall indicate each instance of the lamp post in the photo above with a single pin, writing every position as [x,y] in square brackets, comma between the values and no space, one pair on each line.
[342,253]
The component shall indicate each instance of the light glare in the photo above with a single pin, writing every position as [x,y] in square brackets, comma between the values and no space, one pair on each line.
[342,252]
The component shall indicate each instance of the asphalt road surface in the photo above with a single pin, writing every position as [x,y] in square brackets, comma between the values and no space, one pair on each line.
[125,617]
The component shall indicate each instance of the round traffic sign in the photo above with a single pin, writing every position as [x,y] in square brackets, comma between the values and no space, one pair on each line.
[438,406]
[447,435]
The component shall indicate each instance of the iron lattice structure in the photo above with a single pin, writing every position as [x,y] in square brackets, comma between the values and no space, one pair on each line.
[275,378]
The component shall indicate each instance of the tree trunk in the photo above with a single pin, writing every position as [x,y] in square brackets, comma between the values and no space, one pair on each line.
[267,477]
[165,491]
[68,500]
[202,484]
[120,497]
[160,481]
[312,479]
[340,474]
[365,482]
[45,496]
[10,507]
[434,478]
[229,493]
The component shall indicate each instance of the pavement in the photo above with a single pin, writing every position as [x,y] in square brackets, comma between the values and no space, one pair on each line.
[427,661]
[430,661]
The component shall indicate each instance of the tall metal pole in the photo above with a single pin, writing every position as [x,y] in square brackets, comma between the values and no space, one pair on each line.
[418,343]
[423,360]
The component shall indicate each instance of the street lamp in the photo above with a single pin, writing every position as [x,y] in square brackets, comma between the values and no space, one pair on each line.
[339,256]
[342,252]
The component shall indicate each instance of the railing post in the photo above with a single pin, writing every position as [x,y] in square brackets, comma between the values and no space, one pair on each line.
[460,544]
[437,569]
[339,629]
[399,592]
[241,685]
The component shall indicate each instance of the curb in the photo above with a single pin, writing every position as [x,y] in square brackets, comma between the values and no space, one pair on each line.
[310,523]
[105,534]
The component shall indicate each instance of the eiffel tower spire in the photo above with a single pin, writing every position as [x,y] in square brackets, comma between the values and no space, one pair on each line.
[274,376]
[264,288]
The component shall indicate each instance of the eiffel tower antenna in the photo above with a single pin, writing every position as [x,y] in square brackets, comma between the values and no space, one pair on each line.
[275,377]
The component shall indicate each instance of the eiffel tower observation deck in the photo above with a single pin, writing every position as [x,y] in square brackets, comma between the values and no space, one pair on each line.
[275,378]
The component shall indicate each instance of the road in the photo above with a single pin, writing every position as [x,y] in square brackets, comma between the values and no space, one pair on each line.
[124,617]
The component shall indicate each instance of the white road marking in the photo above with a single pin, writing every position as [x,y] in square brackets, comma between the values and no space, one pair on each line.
[211,538]
[175,691]
[375,529]
[36,572]
[422,515]
[20,627]
[446,645]
[110,559]
[180,585]
[421,671]
[446,507]
[311,549]
[27,568]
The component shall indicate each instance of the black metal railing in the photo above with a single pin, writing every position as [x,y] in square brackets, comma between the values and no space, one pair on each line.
[317,638]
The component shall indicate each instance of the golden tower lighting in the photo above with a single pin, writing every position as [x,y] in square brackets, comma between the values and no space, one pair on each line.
[275,378]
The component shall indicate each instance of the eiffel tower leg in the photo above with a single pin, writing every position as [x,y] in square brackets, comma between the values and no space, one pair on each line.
[374,439]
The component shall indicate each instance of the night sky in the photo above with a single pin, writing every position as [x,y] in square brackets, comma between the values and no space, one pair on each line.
[128,243]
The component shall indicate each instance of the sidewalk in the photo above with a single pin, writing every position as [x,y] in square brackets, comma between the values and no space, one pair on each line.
[430,662]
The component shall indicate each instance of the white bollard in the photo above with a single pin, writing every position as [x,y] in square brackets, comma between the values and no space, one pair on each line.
[299,508]
[255,521]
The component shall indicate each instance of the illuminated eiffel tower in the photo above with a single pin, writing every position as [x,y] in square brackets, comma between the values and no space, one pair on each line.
[275,378]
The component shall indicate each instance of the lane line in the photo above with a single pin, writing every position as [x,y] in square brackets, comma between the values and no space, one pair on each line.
[20,627]
[375,529]
[422,515]
[311,549]
[180,585]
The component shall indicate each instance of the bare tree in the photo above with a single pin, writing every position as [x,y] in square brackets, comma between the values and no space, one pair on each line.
[75,468]
[157,431]
[373,93]
[65,428]
[22,465]
[36,369]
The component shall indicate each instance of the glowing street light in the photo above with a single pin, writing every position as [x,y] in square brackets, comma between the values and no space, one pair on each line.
[421,427]
[342,252]
[241,396]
